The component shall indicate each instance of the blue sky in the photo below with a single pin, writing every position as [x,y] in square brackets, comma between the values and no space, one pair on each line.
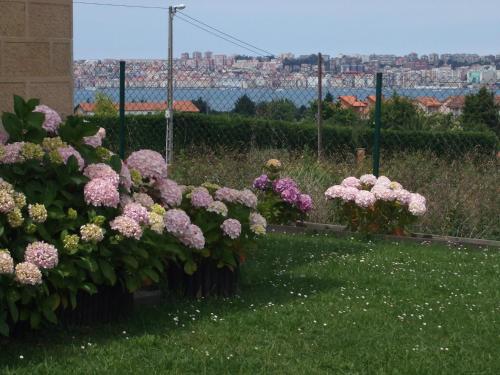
[298,26]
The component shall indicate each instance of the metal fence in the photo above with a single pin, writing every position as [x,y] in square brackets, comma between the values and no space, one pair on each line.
[347,101]
[432,135]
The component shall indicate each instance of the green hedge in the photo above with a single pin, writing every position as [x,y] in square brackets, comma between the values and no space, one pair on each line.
[243,133]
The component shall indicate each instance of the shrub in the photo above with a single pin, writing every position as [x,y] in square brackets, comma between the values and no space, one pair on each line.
[376,205]
[243,133]
[282,202]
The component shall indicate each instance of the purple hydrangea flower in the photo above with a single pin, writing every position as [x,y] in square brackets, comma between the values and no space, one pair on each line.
[304,202]
[52,119]
[282,184]
[262,182]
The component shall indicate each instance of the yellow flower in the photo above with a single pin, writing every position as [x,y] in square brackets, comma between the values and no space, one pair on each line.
[273,165]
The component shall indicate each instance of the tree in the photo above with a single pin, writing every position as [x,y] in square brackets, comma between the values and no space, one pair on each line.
[399,113]
[201,105]
[104,105]
[244,106]
[280,109]
[328,98]
[480,109]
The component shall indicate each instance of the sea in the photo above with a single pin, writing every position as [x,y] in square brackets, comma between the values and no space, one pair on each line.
[223,99]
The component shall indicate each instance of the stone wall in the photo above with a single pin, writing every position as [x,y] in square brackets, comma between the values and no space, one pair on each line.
[36,52]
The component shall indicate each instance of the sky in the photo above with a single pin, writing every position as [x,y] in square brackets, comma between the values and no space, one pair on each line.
[302,27]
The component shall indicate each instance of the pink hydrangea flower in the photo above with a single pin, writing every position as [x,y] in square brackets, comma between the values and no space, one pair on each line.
[365,199]
[403,196]
[282,184]
[52,119]
[201,198]
[231,228]
[228,195]
[383,193]
[42,255]
[290,194]
[170,192]
[150,164]
[67,152]
[28,274]
[12,153]
[304,202]
[95,140]
[127,227]
[101,170]
[6,263]
[351,182]
[176,221]
[137,212]
[349,194]
[368,180]
[383,181]
[247,198]
[193,237]
[335,191]
[101,192]
[257,219]
[417,205]
[143,199]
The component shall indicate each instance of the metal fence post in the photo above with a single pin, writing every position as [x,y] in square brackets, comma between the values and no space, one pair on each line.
[376,133]
[320,105]
[122,109]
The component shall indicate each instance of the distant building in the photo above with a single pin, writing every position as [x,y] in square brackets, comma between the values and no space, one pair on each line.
[148,108]
[185,56]
[197,55]
[453,105]
[428,104]
[352,102]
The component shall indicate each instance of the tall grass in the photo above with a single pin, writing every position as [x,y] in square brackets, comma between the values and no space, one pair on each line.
[463,195]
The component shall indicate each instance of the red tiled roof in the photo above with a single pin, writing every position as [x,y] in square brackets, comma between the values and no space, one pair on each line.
[455,102]
[178,105]
[352,101]
[428,101]
[497,99]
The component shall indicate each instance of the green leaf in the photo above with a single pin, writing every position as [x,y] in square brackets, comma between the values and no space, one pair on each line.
[116,163]
[19,106]
[14,312]
[4,327]
[190,267]
[131,261]
[108,271]
[35,319]
[89,288]
[13,126]
[49,315]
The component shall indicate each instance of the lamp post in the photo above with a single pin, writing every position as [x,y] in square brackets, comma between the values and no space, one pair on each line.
[169,113]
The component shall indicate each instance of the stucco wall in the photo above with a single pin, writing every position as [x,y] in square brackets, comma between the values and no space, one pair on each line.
[36,52]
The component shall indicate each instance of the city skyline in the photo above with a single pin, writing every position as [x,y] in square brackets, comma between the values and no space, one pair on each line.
[331,27]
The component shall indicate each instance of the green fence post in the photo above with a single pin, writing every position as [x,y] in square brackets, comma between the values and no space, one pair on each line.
[376,133]
[122,109]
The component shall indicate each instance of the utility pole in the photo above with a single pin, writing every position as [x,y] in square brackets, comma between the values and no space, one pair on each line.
[169,113]
[320,106]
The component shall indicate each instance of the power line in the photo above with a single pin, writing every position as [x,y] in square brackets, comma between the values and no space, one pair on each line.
[238,42]
[228,35]
[219,36]
[120,5]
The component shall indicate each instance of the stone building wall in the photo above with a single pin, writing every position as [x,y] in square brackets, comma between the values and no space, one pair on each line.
[36,52]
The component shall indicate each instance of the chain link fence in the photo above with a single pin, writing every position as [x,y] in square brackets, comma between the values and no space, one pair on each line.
[439,127]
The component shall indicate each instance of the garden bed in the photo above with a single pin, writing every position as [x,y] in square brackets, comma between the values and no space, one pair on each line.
[341,231]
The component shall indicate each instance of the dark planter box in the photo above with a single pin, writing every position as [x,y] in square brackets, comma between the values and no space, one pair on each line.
[207,281]
[109,304]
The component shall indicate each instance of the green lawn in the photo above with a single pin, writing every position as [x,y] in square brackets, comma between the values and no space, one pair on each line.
[308,305]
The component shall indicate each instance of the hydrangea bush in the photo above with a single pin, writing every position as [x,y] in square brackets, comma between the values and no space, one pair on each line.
[281,201]
[74,217]
[376,205]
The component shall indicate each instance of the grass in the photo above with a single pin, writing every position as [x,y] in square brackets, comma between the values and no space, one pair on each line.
[463,195]
[308,305]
